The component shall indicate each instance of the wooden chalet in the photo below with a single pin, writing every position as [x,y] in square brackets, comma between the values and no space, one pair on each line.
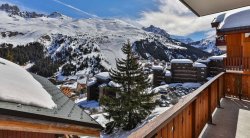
[99,86]
[66,120]
[221,106]
[234,28]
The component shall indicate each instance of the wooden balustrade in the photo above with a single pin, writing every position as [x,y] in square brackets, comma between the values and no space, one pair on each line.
[237,85]
[237,63]
[189,116]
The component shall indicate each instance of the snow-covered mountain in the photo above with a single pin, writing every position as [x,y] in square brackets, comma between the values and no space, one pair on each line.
[84,45]
[14,10]
[208,45]
[182,39]
[156,30]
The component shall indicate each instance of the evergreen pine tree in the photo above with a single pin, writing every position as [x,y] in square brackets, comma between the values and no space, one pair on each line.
[131,104]
[10,55]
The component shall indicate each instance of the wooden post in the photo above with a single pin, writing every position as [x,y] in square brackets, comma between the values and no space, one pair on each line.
[193,119]
[210,121]
[218,93]
[223,90]
[239,86]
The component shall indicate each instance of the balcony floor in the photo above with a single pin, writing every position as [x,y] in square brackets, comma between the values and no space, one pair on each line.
[232,120]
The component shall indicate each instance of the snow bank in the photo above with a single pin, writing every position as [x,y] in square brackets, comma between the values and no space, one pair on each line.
[100,118]
[191,85]
[237,19]
[103,75]
[181,61]
[157,67]
[159,88]
[199,65]
[19,86]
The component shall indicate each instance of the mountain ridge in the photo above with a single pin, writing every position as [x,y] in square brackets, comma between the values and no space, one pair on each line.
[83,45]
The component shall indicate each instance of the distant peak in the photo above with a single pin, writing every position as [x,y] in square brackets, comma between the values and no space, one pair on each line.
[14,10]
[156,30]
[55,14]
[10,8]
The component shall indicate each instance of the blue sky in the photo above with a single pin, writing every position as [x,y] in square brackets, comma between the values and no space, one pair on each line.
[160,13]
[102,8]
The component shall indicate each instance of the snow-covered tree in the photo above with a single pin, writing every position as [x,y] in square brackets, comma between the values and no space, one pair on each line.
[132,103]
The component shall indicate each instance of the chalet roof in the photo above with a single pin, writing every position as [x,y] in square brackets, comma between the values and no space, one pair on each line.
[66,112]
[206,7]
[235,22]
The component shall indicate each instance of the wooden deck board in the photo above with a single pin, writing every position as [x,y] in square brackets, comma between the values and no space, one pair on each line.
[226,120]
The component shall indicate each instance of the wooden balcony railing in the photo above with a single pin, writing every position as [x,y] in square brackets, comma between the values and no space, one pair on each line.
[188,117]
[237,63]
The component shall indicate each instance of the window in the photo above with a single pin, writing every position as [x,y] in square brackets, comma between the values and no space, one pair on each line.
[247,37]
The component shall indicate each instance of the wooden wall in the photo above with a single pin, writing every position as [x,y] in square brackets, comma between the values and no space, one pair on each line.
[21,134]
[237,85]
[234,46]
[238,45]
[245,45]
[246,87]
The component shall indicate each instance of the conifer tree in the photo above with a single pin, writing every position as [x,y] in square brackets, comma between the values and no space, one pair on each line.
[10,56]
[131,104]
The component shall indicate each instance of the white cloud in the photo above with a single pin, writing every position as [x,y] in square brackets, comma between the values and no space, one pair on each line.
[76,9]
[176,19]
[211,33]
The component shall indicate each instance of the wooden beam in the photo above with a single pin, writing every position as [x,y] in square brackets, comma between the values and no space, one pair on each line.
[24,124]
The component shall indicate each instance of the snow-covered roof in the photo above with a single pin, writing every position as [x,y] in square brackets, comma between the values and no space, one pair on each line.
[221,57]
[203,60]
[71,85]
[236,19]
[157,67]
[17,85]
[113,84]
[103,75]
[167,73]
[91,81]
[199,65]
[181,61]
[82,80]
[219,18]
[72,77]
[103,85]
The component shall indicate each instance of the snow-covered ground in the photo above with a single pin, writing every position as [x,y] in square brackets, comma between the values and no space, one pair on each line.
[17,85]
